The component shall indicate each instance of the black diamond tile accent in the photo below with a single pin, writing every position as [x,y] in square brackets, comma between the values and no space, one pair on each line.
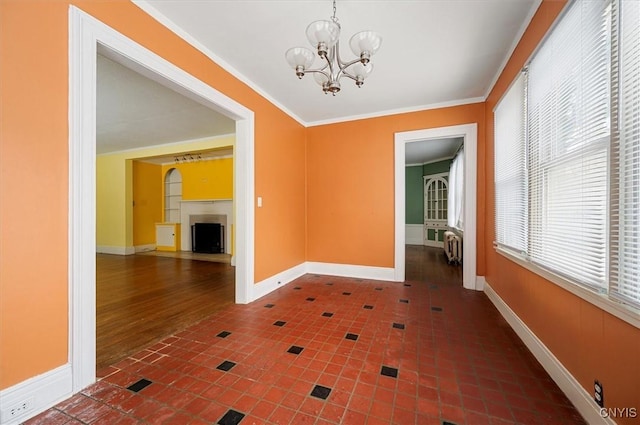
[327,314]
[294,349]
[269,305]
[447,423]
[279,323]
[297,288]
[311,299]
[321,392]
[398,325]
[352,337]
[226,365]
[140,385]
[436,308]
[407,284]
[378,289]
[368,307]
[404,301]
[231,418]
[346,293]
[223,334]
[389,371]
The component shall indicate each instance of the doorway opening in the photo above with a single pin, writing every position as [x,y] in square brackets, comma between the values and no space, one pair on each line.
[87,36]
[468,133]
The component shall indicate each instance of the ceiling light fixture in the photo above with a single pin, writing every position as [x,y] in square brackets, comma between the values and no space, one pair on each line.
[324,36]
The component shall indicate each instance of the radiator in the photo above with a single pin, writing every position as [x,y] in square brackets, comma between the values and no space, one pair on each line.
[453,247]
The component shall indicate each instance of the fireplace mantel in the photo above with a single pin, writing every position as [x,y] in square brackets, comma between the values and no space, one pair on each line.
[207,210]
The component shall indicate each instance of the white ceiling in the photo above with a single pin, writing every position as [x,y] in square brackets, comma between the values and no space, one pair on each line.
[434,52]
[431,150]
[135,112]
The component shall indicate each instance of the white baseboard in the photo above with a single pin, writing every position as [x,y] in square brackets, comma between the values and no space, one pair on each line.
[117,250]
[480,283]
[567,382]
[276,281]
[414,234]
[40,392]
[349,270]
[144,248]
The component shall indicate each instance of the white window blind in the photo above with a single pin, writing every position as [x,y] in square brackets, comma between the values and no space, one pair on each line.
[625,211]
[510,169]
[455,201]
[568,125]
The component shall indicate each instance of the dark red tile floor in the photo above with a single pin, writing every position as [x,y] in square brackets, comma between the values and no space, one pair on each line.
[329,350]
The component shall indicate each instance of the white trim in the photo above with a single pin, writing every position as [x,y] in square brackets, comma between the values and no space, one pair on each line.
[578,396]
[166,145]
[279,280]
[514,44]
[148,8]
[470,134]
[414,234]
[145,248]
[351,270]
[417,108]
[41,392]
[432,161]
[480,283]
[85,33]
[115,250]
[622,311]
[433,176]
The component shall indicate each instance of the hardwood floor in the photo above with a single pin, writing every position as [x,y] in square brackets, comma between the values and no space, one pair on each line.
[142,299]
[428,264]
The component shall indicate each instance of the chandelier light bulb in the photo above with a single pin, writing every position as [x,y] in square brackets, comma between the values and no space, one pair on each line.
[300,59]
[365,44]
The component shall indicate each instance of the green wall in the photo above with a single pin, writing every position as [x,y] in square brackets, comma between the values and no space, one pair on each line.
[414,192]
[436,167]
[414,195]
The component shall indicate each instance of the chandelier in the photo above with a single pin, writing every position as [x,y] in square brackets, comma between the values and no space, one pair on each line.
[324,37]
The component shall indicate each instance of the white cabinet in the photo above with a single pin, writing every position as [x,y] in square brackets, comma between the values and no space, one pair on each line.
[167,236]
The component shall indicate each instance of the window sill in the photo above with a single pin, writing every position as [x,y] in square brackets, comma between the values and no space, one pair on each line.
[622,311]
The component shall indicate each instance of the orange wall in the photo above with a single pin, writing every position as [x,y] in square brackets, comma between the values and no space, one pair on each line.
[33,108]
[350,184]
[591,343]
[147,202]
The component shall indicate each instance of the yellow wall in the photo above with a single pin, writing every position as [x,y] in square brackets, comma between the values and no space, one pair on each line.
[114,189]
[114,217]
[147,202]
[210,179]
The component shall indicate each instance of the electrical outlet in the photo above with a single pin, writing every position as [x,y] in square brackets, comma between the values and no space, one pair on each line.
[17,410]
[598,393]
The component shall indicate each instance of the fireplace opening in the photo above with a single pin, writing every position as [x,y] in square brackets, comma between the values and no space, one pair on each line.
[207,238]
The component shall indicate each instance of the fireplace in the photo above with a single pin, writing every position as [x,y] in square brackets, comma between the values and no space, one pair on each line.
[207,238]
[208,233]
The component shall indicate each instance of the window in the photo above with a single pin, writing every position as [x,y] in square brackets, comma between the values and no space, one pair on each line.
[625,204]
[510,169]
[456,192]
[567,151]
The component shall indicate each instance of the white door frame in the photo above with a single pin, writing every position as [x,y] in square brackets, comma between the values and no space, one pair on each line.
[470,134]
[85,34]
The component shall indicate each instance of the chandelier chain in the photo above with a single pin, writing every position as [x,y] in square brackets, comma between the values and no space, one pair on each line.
[334,18]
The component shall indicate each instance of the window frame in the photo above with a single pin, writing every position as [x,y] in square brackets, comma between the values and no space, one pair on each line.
[607,300]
